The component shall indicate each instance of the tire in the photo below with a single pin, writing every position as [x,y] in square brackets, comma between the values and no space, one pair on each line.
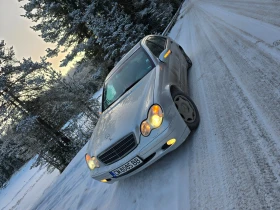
[186,108]
[189,61]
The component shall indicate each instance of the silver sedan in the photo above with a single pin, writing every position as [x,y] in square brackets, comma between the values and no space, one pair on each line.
[146,111]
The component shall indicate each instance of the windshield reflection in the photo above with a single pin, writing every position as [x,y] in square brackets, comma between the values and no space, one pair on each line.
[126,76]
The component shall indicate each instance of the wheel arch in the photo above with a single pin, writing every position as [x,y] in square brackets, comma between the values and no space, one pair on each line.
[174,88]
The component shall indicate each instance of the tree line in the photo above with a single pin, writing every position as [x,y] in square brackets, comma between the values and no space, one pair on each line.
[36,101]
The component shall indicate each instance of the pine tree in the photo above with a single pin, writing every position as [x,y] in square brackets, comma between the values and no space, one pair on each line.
[101,31]
[21,83]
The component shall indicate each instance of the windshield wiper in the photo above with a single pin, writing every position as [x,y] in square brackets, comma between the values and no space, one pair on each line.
[126,89]
[130,86]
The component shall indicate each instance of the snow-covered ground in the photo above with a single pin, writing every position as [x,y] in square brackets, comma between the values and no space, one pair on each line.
[234,157]
[26,186]
[232,161]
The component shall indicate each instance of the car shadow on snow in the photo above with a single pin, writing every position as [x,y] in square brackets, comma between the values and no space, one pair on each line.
[162,178]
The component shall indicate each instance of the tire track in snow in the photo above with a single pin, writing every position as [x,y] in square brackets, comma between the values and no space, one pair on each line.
[264,31]
[203,142]
[268,144]
[230,154]
[250,178]
[254,124]
[265,11]
[263,118]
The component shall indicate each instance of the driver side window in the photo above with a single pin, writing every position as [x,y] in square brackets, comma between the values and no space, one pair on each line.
[156,44]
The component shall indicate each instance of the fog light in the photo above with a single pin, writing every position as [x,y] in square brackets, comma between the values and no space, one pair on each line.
[92,162]
[103,180]
[171,142]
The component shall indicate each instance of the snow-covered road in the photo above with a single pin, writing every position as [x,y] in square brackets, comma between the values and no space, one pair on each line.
[234,157]
[232,161]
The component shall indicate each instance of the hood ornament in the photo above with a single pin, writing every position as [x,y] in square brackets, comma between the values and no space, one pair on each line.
[108,136]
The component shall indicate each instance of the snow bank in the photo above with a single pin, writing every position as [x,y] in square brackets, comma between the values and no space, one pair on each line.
[26,186]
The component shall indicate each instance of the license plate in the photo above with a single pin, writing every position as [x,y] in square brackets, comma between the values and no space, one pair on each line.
[126,167]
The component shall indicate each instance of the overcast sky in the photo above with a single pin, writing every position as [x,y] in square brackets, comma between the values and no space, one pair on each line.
[15,31]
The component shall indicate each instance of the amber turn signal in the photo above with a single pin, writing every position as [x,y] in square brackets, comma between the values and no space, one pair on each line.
[171,142]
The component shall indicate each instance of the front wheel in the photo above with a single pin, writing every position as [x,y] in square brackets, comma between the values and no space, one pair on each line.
[187,109]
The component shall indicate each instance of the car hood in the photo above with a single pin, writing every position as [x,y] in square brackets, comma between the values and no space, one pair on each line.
[124,116]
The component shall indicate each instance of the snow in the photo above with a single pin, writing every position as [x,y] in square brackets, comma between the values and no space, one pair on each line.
[74,189]
[232,160]
[235,81]
[81,124]
[245,24]
[26,186]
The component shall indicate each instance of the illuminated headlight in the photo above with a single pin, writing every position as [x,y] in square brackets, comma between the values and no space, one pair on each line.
[154,120]
[92,162]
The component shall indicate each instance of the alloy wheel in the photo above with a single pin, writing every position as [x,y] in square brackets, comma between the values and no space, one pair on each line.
[185,108]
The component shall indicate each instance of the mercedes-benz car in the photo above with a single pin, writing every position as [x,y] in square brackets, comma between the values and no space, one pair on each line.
[146,110]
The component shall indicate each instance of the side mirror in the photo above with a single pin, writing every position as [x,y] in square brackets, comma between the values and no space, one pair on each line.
[163,57]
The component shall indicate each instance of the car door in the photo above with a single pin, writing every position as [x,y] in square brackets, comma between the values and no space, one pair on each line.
[176,63]
[157,44]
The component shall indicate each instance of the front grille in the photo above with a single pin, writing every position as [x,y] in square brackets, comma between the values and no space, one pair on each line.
[118,150]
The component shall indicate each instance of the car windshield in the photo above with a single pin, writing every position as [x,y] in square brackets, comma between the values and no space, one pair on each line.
[126,76]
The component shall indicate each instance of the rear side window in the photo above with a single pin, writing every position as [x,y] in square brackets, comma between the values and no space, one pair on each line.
[156,44]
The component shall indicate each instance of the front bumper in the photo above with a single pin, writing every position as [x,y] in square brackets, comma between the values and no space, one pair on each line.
[150,148]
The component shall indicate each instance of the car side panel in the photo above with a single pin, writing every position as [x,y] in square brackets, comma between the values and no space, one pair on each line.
[184,72]
[181,66]
[174,64]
